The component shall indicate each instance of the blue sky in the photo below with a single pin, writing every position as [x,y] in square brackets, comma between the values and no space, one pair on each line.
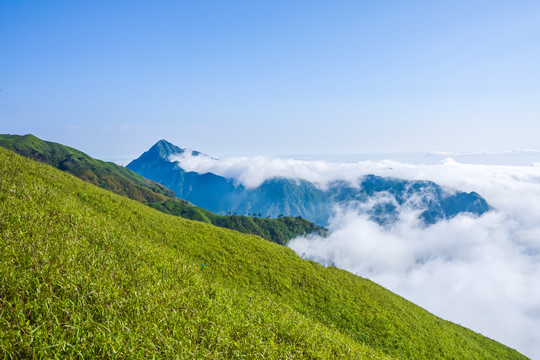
[272,77]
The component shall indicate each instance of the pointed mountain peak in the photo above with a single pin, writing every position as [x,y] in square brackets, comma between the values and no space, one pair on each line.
[165,149]
[159,155]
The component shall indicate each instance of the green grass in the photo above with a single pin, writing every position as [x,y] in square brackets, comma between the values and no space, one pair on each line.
[125,182]
[107,175]
[85,273]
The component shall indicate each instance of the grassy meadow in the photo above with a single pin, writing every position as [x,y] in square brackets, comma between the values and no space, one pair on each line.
[86,273]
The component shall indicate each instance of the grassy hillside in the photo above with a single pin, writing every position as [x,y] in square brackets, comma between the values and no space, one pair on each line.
[125,182]
[87,273]
[107,175]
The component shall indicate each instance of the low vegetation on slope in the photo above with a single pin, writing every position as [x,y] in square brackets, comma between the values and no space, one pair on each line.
[125,182]
[87,273]
[279,230]
[107,175]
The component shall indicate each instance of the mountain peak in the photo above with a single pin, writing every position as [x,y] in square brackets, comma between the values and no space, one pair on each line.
[165,149]
[162,150]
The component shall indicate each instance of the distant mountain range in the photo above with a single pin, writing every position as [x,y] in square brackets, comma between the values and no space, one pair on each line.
[298,197]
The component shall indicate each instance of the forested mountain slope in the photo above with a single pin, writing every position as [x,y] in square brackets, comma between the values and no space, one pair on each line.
[299,197]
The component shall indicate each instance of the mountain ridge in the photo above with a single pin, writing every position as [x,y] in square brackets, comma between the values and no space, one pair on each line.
[298,197]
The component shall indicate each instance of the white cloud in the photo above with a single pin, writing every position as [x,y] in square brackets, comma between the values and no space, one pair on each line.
[480,272]
[253,171]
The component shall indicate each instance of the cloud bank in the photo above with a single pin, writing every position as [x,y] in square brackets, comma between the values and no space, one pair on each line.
[480,272]
[253,171]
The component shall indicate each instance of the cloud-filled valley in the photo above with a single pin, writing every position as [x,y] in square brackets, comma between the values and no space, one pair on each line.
[481,272]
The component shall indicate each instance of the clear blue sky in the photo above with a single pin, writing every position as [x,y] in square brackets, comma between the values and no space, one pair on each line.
[272,77]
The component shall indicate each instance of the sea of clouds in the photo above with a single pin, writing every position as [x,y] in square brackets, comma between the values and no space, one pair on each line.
[480,272]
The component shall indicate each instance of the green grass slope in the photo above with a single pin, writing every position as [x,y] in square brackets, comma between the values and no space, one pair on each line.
[89,274]
[123,181]
[107,175]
